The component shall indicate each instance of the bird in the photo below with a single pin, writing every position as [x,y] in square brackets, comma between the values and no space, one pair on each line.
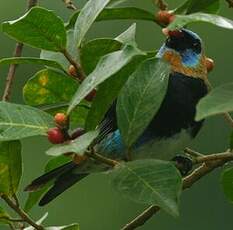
[173,123]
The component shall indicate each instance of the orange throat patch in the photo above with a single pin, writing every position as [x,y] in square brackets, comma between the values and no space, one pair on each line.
[199,71]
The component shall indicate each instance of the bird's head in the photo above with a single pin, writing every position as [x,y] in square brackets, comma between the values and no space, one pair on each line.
[183,49]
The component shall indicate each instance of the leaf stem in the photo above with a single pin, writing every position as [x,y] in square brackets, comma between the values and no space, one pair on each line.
[80,73]
[21,213]
[209,163]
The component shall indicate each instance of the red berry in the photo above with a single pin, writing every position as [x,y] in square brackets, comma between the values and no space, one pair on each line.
[55,136]
[91,95]
[209,64]
[60,118]
[164,17]
[77,133]
[72,71]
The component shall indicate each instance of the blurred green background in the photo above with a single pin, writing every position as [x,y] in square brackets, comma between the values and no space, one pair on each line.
[92,203]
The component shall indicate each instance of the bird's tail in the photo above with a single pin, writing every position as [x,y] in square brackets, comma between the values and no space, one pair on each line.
[63,177]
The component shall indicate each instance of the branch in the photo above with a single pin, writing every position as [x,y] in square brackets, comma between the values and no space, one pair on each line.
[210,162]
[12,68]
[161,4]
[21,213]
[103,159]
[230,2]
[142,218]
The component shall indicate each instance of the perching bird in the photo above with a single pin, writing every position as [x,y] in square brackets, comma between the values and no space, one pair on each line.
[170,127]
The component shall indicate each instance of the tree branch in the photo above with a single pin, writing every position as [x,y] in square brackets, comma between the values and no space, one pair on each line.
[21,213]
[12,68]
[209,163]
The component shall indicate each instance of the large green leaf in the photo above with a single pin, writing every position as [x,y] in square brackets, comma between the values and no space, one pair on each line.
[10,167]
[92,51]
[151,182]
[30,60]
[20,121]
[227,183]
[78,146]
[141,98]
[182,20]
[58,57]
[106,67]
[49,87]
[219,100]
[193,6]
[34,197]
[39,28]
[105,97]
[85,19]
[127,13]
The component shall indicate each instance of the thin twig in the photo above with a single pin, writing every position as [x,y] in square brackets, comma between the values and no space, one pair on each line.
[21,213]
[103,159]
[80,73]
[212,162]
[12,69]
[161,4]
[192,152]
[70,5]
[142,218]
[230,3]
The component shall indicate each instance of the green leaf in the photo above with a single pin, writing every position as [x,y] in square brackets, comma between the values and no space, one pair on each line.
[106,67]
[183,20]
[141,97]
[105,97]
[92,51]
[10,167]
[78,146]
[49,87]
[85,19]
[219,100]
[30,60]
[39,28]
[34,197]
[123,13]
[129,36]
[227,183]
[114,3]
[193,6]
[20,121]
[151,182]
[67,227]
[58,57]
